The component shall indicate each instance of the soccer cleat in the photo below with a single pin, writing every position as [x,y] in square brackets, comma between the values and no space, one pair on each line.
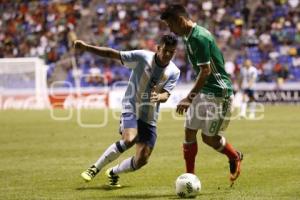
[90,173]
[112,178]
[235,167]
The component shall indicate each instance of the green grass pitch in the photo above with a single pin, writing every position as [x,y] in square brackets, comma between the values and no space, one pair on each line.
[42,158]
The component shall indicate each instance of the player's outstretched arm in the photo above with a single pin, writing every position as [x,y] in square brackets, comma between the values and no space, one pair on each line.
[105,52]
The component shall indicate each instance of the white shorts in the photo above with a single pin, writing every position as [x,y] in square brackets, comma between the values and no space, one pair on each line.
[208,113]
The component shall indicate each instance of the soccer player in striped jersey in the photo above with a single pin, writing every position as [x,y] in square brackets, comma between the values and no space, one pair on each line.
[248,75]
[152,79]
[208,103]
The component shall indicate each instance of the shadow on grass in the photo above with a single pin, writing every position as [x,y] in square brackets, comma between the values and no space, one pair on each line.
[148,196]
[145,196]
[102,187]
[160,196]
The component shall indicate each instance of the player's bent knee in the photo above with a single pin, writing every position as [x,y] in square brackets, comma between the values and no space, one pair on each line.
[128,136]
[129,142]
[213,141]
[206,139]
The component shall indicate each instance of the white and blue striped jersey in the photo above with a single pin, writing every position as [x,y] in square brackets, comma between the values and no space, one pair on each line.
[249,77]
[145,74]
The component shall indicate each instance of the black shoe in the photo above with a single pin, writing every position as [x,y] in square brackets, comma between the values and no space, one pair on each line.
[113,179]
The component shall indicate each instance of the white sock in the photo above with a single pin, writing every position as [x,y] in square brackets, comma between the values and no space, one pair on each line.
[125,166]
[111,154]
[243,108]
[252,106]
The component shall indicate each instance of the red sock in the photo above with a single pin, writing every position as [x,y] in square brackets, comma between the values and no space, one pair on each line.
[189,153]
[230,152]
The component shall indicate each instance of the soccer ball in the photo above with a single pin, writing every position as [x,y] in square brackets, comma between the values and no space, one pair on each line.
[187,185]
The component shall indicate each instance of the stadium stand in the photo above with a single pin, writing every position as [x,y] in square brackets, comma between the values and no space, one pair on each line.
[267,32]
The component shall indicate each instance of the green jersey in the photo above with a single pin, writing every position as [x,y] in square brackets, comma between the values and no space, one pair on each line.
[202,49]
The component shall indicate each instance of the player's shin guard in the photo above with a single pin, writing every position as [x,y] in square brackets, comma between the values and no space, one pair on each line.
[227,149]
[189,152]
[127,165]
[111,153]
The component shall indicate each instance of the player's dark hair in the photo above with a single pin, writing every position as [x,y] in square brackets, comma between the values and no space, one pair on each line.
[168,40]
[174,10]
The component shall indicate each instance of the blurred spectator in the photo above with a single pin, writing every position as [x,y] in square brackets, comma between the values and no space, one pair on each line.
[281,73]
[265,31]
[246,13]
[94,77]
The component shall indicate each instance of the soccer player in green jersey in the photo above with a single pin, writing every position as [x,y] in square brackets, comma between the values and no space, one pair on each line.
[208,103]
